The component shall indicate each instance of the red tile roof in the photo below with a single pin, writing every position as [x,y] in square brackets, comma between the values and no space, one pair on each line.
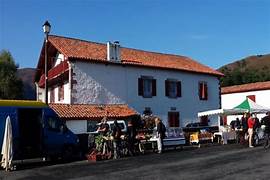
[97,52]
[246,87]
[92,112]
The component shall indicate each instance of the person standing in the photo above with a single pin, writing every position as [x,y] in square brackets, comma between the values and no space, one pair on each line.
[266,123]
[160,134]
[103,129]
[116,133]
[131,132]
[251,122]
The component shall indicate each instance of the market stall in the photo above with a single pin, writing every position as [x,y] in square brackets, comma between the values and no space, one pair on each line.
[225,133]
[174,137]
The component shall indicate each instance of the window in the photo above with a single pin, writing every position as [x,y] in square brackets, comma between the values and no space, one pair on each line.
[146,86]
[173,119]
[54,124]
[172,88]
[52,96]
[147,111]
[203,94]
[252,97]
[204,120]
[92,126]
[61,92]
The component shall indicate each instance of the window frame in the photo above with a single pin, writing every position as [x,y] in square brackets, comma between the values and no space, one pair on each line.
[175,117]
[203,87]
[61,92]
[52,95]
[142,86]
[177,88]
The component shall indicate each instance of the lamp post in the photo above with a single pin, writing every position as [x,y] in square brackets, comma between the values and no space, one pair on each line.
[46,30]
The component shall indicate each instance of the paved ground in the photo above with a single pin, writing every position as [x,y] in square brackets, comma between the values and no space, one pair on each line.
[216,162]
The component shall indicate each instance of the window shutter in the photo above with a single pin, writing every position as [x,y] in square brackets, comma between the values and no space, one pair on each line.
[179,89]
[200,90]
[154,87]
[140,87]
[177,119]
[205,91]
[170,119]
[167,87]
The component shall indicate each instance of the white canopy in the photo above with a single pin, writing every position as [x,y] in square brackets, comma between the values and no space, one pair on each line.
[222,111]
[246,106]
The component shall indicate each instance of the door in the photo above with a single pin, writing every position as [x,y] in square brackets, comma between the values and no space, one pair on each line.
[30,132]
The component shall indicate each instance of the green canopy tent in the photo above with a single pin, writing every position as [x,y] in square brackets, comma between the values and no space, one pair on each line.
[251,106]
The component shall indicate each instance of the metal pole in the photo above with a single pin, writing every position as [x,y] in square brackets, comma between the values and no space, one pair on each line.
[46,69]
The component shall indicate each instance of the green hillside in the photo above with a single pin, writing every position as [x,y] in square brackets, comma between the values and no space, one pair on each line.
[247,70]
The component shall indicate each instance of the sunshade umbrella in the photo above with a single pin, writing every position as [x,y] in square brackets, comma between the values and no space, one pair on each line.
[252,107]
[7,151]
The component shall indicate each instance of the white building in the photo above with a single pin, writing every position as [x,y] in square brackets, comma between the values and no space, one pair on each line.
[232,96]
[172,87]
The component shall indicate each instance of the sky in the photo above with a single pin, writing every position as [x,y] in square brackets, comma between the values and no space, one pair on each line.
[212,32]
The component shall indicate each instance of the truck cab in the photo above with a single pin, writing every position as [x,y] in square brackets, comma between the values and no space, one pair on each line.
[37,131]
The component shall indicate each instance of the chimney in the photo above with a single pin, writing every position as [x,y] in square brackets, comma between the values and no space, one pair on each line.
[113,51]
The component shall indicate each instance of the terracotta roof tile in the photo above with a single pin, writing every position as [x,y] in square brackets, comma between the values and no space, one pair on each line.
[92,112]
[86,50]
[246,87]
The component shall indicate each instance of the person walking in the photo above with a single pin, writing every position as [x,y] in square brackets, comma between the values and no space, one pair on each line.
[160,134]
[251,122]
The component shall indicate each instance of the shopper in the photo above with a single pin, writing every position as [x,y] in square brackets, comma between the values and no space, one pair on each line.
[160,134]
[131,133]
[116,133]
[266,123]
[103,129]
[251,122]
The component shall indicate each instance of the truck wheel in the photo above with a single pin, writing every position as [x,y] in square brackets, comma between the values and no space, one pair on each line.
[67,153]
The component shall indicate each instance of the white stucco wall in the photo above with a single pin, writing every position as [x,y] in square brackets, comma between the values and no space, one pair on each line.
[103,84]
[67,91]
[234,99]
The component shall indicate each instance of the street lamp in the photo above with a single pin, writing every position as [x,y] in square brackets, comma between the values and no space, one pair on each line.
[46,30]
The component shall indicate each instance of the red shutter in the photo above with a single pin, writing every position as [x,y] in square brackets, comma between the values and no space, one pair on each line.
[179,90]
[140,87]
[203,91]
[173,119]
[154,87]
[167,87]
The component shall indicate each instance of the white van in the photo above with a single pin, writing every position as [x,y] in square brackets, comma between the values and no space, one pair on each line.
[121,123]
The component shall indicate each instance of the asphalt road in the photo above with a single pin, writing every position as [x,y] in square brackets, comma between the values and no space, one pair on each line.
[215,162]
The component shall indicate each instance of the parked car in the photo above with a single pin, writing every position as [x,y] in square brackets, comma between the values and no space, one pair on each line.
[121,123]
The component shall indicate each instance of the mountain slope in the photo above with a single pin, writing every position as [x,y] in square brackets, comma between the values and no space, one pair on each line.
[27,76]
[248,70]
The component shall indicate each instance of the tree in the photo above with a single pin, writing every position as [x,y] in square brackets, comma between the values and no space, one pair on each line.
[11,85]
